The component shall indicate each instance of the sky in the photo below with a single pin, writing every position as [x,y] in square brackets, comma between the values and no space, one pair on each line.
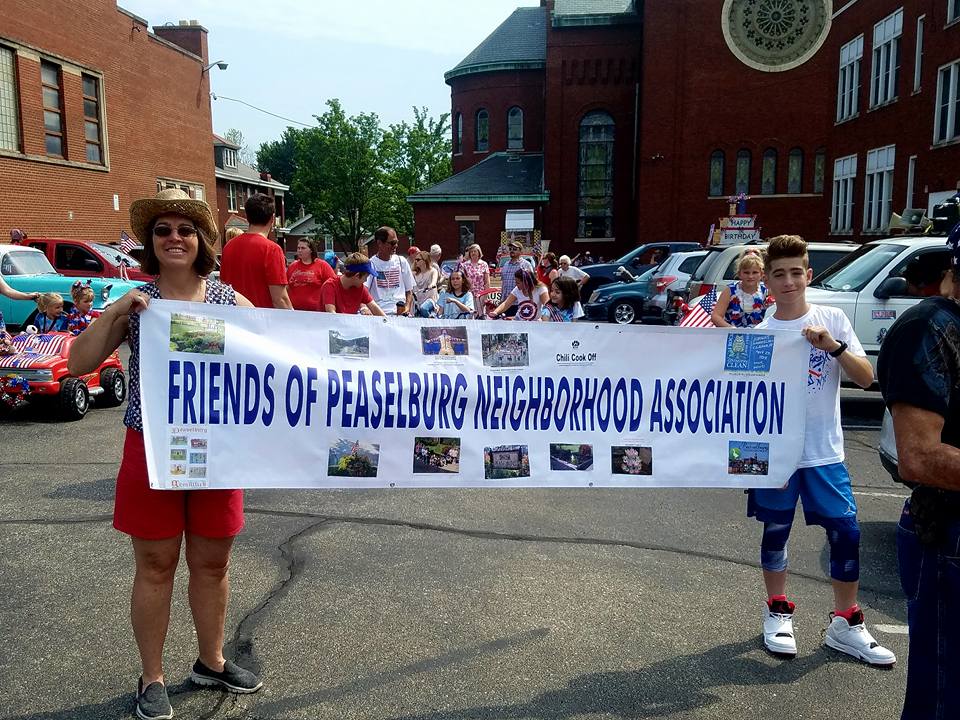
[290,56]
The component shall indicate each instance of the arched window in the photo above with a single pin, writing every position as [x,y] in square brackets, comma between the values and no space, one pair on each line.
[819,167]
[768,178]
[595,176]
[743,172]
[481,132]
[458,134]
[718,162]
[515,129]
[795,172]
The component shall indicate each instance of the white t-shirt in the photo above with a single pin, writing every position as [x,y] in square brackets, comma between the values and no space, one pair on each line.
[390,282]
[539,297]
[823,438]
[573,272]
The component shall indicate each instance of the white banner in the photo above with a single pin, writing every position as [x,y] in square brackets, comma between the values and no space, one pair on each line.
[236,397]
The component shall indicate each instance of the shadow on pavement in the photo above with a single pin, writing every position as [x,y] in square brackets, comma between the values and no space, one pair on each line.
[676,685]
[121,706]
[362,685]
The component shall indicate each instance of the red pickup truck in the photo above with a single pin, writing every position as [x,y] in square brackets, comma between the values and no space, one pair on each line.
[83,258]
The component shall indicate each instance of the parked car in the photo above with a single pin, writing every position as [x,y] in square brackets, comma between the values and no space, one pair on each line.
[877,282]
[720,266]
[637,261]
[38,369]
[624,302]
[82,258]
[671,277]
[447,267]
[28,270]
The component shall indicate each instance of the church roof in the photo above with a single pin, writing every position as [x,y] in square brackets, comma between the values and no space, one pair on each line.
[520,43]
[502,177]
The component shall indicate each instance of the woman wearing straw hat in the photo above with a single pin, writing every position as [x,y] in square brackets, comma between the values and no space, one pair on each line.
[178,236]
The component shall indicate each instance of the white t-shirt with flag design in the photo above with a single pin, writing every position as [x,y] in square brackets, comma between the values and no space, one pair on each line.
[390,282]
[823,437]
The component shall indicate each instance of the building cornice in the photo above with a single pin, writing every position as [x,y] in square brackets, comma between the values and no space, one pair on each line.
[494,67]
[537,197]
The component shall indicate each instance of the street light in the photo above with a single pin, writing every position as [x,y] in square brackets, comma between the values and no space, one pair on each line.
[219,63]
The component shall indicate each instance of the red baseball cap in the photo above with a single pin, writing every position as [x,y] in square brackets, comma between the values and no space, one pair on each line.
[413,250]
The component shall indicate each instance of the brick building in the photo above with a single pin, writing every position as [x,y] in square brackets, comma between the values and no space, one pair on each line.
[236,181]
[646,116]
[97,110]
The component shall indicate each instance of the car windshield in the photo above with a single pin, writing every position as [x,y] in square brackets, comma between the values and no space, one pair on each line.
[24,262]
[858,268]
[115,256]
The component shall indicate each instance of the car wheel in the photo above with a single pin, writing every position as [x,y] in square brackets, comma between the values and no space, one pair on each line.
[623,312]
[114,388]
[74,399]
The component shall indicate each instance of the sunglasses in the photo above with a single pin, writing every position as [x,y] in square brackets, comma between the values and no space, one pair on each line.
[391,242]
[184,231]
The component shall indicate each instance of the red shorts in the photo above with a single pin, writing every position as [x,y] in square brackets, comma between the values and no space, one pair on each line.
[150,514]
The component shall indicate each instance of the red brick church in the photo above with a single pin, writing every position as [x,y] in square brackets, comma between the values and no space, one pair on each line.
[600,124]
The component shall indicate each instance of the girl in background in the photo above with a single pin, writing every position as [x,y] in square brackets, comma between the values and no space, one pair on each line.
[456,302]
[743,303]
[81,314]
[51,317]
[564,305]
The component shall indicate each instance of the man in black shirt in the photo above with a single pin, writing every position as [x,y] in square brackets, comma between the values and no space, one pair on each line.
[919,374]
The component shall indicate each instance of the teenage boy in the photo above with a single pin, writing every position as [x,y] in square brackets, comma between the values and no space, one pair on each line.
[348,293]
[821,478]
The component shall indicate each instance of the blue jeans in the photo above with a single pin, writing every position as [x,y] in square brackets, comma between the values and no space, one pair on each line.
[930,577]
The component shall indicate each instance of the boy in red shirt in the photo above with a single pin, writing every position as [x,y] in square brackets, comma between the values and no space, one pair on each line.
[348,293]
[252,263]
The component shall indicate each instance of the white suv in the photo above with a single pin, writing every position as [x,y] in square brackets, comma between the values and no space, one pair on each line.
[877,282]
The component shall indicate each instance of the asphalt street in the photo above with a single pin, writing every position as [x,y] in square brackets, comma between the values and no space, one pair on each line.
[430,605]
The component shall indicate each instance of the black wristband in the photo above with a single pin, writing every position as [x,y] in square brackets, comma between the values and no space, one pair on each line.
[840,350]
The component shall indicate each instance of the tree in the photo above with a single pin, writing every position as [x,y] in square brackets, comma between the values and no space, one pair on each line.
[413,157]
[236,137]
[338,176]
[279,158]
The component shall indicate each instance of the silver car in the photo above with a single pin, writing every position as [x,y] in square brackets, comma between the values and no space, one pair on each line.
[672,276]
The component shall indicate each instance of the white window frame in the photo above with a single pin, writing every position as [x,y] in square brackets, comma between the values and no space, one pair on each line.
[911,180]
[232,197]
[918,55]
[848,83]
[948,97]
[885,70]
[9,99]
[844,179]
[878,188]
[953,11]
[229,158]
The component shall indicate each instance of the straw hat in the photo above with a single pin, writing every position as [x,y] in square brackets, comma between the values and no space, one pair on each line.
[172,200]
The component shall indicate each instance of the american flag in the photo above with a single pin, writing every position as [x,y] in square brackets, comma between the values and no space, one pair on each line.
[127,243]
[389,278]
[699,315]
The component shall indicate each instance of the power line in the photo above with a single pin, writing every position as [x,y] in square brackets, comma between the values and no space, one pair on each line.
[258,109]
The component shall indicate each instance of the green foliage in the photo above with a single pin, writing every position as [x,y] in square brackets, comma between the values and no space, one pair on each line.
[414,157]
[338,175]
[353,176]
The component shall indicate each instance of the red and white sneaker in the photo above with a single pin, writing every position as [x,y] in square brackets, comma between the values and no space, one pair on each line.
[778,628]
[854,639]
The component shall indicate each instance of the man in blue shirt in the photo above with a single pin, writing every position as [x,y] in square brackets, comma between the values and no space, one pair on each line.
[508,272]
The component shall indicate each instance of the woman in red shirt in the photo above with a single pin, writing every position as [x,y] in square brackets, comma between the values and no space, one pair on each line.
[305,276]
